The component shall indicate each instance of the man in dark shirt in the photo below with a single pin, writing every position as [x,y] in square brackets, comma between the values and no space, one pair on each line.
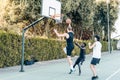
[81,57]
[69,40]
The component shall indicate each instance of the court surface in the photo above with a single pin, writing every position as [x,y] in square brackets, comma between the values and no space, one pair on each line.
[108,69]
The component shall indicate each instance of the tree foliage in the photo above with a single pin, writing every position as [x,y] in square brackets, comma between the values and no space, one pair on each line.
[88,17]
[100,23]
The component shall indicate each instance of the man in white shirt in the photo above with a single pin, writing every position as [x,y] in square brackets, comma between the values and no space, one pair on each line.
[96,46]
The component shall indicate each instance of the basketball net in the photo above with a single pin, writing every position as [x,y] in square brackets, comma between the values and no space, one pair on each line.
[57,15]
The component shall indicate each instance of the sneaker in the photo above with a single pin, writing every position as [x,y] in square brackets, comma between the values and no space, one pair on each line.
[94,77]
[72,70]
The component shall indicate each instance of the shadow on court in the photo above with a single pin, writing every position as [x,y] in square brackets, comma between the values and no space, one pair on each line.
[108,69]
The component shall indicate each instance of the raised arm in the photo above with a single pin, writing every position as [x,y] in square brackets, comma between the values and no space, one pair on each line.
[61,35]
[77,44]
[91,46]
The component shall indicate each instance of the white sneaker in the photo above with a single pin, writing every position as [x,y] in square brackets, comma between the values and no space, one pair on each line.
[72,70]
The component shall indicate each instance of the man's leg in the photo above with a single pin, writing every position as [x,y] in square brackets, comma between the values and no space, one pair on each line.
[79,69]
[77,62]
[93,69]
[94,72]
[70,63]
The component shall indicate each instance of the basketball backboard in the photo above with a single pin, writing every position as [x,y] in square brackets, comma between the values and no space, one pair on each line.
[51,8]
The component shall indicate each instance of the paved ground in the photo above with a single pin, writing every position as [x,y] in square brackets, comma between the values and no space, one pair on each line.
[108,69]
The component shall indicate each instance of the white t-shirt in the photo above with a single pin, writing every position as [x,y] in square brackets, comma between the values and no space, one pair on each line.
[97,50]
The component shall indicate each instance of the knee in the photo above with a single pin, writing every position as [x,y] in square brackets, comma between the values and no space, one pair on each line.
[91,66]
[69,57]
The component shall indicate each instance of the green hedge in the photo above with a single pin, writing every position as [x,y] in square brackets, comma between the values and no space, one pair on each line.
[41,49]
[10,49]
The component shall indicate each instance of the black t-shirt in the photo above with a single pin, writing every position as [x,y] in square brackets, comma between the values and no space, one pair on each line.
[82,52]
[70,40]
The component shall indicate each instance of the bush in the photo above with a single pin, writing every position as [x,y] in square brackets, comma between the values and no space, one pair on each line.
[10,49]
[41,49]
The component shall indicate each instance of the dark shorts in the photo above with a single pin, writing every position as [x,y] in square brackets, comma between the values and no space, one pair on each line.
[69,51]
[95,61]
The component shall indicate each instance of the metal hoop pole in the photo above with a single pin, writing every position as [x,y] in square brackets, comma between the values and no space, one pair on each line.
[23,41]
[108,2]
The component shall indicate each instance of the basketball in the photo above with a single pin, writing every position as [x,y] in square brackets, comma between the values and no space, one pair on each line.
[68,21]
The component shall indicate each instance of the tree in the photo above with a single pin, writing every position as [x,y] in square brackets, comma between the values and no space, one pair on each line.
[100,23]
[81,13]
[91,16]
[88,16]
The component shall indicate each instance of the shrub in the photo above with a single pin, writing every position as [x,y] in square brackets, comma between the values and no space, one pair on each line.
[41,49]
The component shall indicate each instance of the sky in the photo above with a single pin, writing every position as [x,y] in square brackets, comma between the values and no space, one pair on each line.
[117,26]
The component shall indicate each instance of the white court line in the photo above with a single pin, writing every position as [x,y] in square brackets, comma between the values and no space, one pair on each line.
[113,74]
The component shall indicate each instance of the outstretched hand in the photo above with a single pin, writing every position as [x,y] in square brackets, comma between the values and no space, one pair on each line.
[55,30]
[75,42]
[89,43]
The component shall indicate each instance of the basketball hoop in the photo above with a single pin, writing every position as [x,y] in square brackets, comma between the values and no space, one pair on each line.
[56,16]
[58,21]
[51,9]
